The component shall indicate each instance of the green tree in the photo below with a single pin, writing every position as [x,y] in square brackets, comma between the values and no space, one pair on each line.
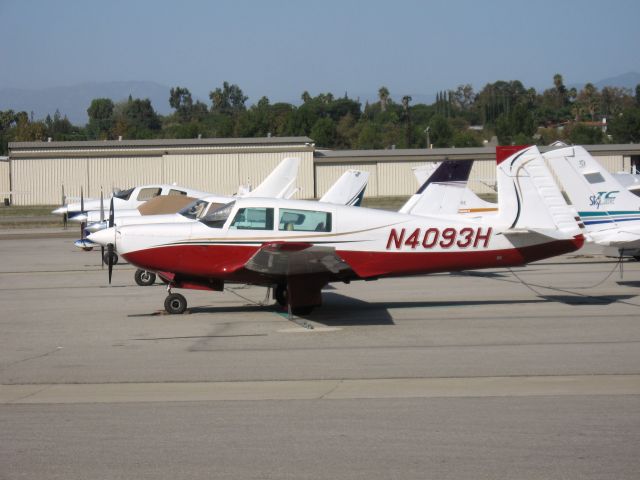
[228,100]
[180,100]
[441,133]
[625,127]
[101,119]
[324,132]
[580,134]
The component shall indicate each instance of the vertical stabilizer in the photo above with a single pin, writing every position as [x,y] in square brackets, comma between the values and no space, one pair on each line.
[528,197]
[281,181]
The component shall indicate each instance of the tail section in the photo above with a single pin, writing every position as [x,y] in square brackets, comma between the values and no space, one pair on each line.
[442,191]
[602,202]
[281,181]
[348,189]
[528,197]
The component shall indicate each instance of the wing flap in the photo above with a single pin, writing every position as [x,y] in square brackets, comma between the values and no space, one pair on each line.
[295,258]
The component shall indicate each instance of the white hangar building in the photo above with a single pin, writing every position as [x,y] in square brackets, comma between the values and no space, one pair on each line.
[36,171]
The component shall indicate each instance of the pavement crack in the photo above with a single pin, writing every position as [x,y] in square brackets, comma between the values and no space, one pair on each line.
[30,358]
[332,389]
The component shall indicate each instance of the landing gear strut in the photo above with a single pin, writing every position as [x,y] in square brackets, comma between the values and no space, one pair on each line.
[280,294]
[175,303]
[144,278]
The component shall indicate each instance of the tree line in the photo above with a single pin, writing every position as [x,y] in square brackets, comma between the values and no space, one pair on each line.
[457,118]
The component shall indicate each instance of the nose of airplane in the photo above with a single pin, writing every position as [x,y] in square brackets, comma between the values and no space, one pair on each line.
[60,210]
[104,237]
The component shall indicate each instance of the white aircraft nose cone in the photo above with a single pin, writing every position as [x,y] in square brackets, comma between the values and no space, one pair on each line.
[60,210]
[104,237]
[80,218]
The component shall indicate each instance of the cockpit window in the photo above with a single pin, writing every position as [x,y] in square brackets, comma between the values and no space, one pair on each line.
[194,209]
[255,218]
[149,193]
[594,177]
[176,192]
[217,218]
[304,220]
[124,194]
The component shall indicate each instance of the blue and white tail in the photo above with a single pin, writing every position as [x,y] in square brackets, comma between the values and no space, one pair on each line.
[348,189]
[601,201]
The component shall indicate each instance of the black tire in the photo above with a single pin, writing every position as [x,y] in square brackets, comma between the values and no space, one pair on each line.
[175,304]
[144,278]
[280,294]
[114,256]
[305,310]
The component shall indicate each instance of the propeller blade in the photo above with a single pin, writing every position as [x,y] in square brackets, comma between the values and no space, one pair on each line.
[64,197]
[81,201]
[83,225]
[65,219]
[101,206]
[102,256]
[110,260]
[111,214]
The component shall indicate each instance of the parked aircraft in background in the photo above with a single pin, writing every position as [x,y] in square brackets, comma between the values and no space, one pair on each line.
[610,212]
[299,246]
[466,200]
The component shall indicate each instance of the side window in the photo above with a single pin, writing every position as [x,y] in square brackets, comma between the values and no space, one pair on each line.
[177,192]
[148,193]
[304,221]
[253,219]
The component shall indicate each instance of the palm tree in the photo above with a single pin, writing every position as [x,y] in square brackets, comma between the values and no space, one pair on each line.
[383,95]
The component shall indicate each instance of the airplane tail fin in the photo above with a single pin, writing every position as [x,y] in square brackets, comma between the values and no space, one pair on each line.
[528,197]
[442,191]
[602,202]
[348,189]
[281,181]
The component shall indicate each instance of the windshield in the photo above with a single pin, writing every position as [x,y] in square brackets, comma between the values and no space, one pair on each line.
[217,218]
[124,194]
[194,209]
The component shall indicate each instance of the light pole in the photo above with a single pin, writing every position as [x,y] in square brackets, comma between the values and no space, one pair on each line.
[426,130]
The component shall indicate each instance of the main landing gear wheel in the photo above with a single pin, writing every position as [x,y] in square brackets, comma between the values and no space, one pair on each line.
[144,278]
[114,257]
[175,303]
[280,294]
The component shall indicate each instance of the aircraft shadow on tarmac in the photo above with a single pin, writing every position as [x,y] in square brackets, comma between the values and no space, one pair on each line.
[341,310]
[630,283]
[578,299]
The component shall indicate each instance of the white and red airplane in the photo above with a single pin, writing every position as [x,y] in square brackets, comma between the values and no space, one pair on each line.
[300,246]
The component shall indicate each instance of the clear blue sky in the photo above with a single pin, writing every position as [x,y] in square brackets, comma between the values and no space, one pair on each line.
[281,48]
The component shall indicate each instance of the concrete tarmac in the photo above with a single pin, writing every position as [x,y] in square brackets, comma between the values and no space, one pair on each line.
[530,373]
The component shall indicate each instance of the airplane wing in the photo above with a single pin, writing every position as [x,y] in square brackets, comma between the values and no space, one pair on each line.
[164,204]
[295,258]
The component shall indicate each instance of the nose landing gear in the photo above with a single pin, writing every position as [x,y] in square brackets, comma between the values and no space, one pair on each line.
[144,278]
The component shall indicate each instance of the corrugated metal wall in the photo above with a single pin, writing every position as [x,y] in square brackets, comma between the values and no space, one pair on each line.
[202,172]
[39,181]
[122,172]
[5,180]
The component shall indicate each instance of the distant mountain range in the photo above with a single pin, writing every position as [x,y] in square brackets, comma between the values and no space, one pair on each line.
[73,101]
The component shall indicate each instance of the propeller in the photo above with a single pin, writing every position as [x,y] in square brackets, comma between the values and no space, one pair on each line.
[101,221]
[82,224]
[110,246]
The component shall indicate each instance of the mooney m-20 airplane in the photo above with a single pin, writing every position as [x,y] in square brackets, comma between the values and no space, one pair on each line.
[347,190]
[301,246]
